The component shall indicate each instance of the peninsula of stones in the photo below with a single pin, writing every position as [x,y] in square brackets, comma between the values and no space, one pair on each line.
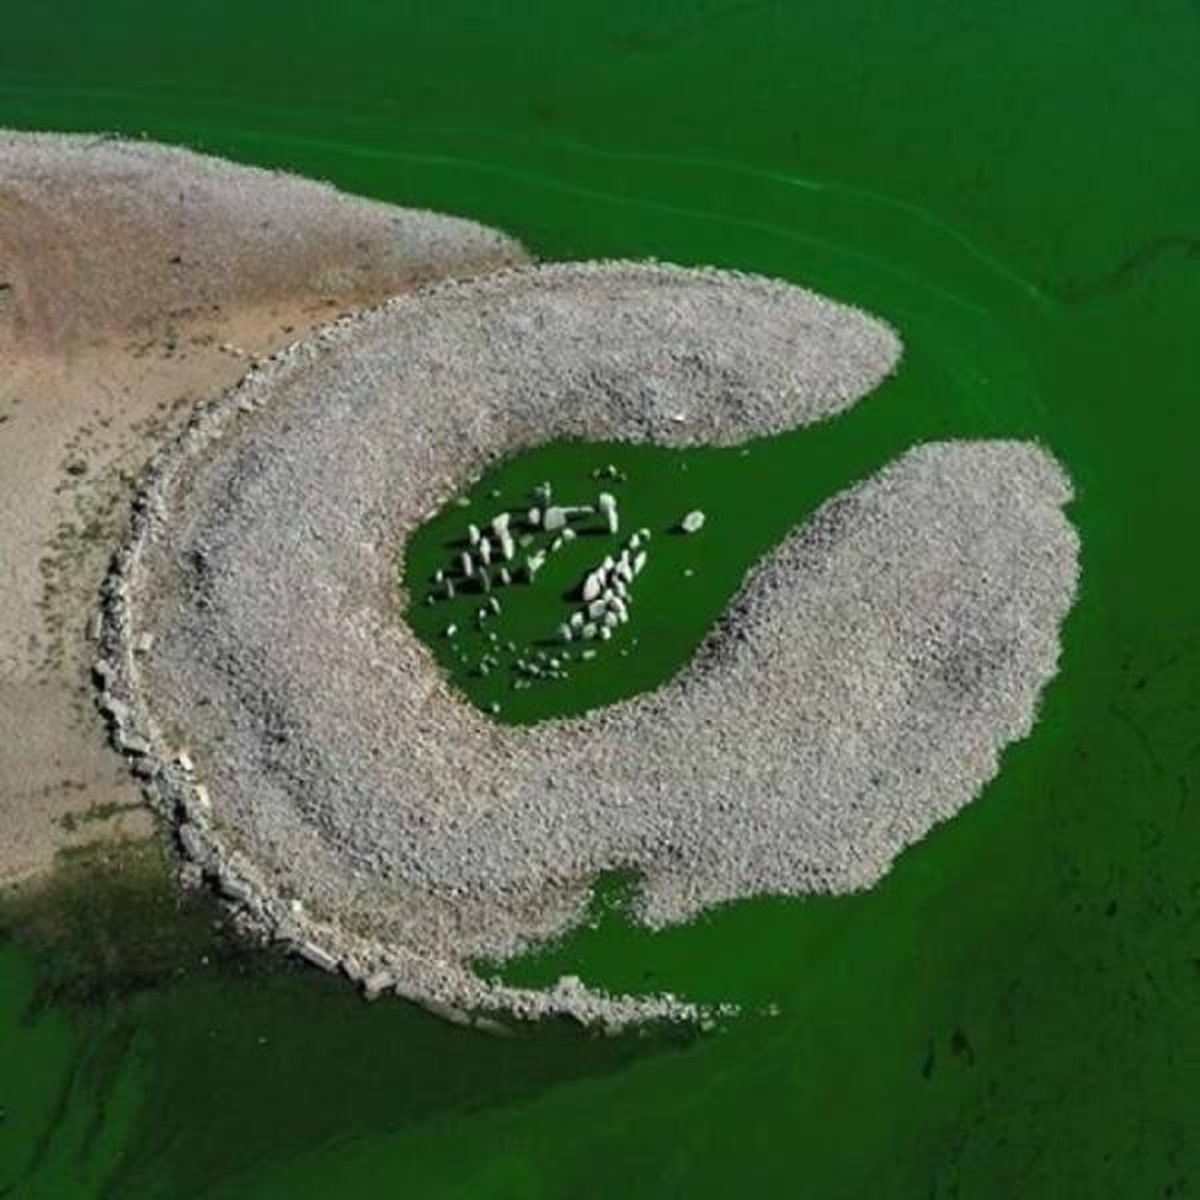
[320,769]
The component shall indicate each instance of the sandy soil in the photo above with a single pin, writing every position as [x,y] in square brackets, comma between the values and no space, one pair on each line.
[137,281]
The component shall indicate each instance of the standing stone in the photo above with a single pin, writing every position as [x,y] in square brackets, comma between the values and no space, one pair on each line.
[607,503]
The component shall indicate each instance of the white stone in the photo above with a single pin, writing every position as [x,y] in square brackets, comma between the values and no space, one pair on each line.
[132,743]
[191,840]
[693,522]
[607,504]
[376,984]
[313,954]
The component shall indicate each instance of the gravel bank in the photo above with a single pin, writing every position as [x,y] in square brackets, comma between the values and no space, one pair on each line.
[859,690]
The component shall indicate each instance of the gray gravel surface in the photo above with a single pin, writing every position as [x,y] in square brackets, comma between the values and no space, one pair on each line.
[859,690]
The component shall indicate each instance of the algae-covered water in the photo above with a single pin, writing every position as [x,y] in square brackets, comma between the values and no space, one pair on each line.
[1015,1011]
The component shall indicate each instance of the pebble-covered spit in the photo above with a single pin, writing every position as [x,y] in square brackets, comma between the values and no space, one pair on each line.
[858,691]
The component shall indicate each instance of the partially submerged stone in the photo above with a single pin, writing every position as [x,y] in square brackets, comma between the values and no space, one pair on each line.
[607,505]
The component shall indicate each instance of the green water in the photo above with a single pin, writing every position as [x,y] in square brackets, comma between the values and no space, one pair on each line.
[751,497]
[1015,1011]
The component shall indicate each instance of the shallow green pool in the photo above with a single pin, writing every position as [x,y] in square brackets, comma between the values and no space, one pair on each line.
[1013,1011]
